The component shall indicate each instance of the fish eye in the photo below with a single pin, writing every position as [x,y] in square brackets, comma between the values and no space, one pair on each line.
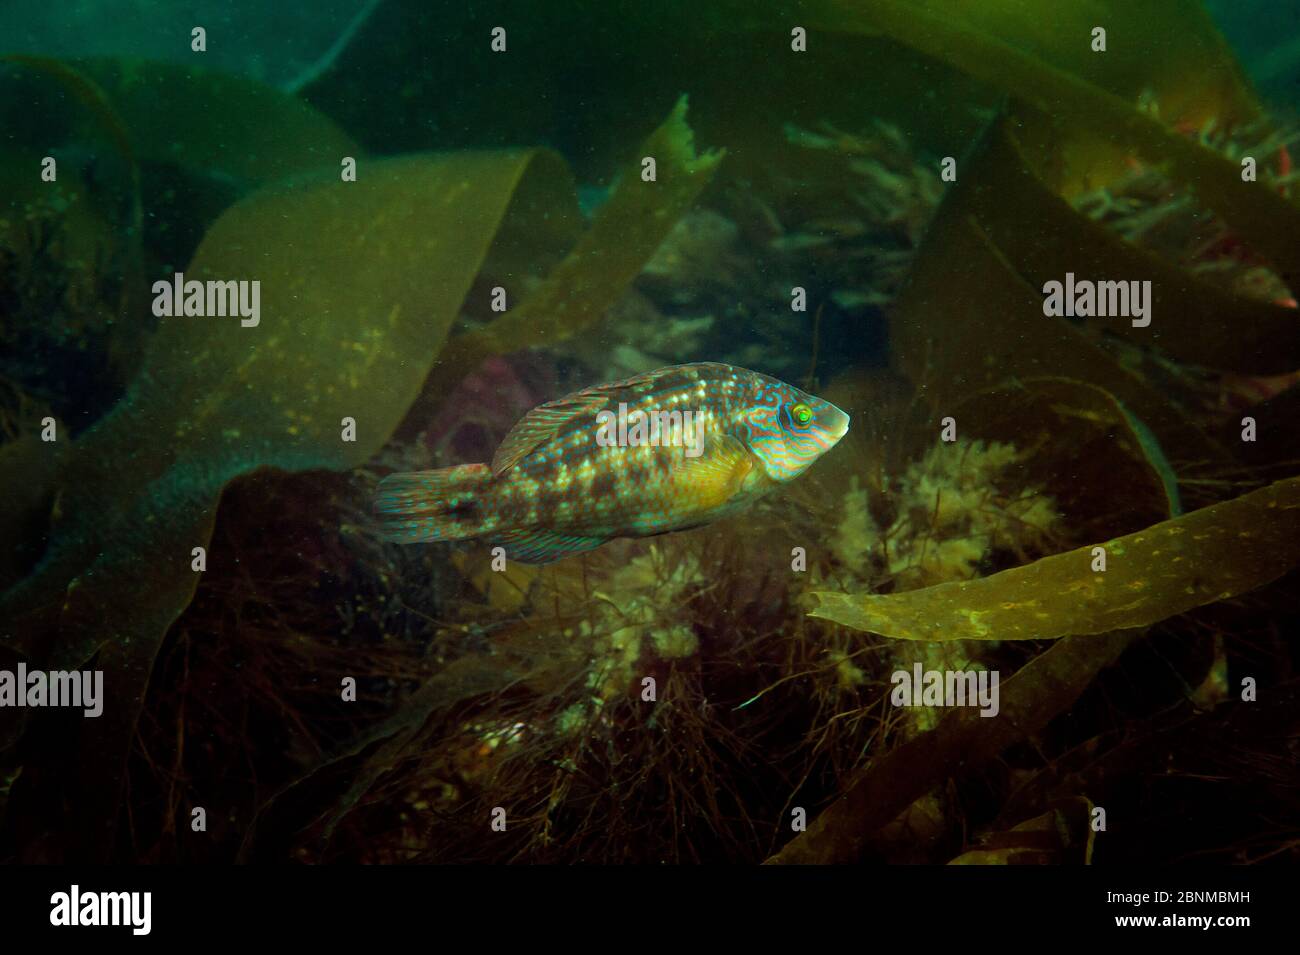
[801,413]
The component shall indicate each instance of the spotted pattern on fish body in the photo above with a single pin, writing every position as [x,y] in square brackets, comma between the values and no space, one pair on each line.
[559,485]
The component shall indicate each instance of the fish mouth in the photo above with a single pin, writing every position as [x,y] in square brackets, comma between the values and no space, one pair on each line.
[840,425]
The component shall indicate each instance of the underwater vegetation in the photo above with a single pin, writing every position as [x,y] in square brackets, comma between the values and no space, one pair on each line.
[182,513]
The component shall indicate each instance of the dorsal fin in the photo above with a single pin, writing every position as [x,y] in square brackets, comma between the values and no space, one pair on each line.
[542,423]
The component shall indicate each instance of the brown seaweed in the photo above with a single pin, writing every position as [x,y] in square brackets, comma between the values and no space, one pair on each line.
[876,794]
[1206,556]
[215,121]
[1061,835]
[1263,218]
[337,343]
[227,408]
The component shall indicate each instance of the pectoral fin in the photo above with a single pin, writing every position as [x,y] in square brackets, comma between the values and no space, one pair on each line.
[717,475]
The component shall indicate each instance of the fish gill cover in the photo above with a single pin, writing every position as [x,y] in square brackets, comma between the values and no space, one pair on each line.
[459,215]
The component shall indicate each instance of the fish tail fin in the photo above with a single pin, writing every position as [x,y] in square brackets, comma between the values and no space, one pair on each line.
[441,505]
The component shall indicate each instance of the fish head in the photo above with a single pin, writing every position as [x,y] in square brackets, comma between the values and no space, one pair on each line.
[788,429]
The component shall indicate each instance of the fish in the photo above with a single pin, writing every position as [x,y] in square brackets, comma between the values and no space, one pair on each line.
[664,451]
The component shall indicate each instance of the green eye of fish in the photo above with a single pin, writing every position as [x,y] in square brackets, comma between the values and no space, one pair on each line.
[801,413]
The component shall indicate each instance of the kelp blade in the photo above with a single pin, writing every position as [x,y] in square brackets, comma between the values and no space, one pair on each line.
[1208,555]
[361,283]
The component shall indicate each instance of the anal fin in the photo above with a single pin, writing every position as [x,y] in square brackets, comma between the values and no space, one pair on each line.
[536,545]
